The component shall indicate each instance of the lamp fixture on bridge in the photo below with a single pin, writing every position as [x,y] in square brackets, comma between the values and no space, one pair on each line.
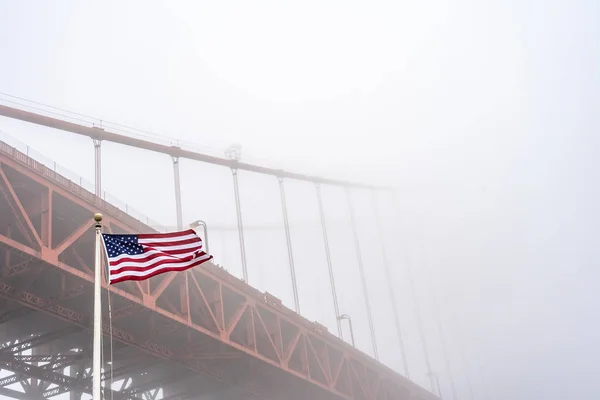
[198,223]
[347,317]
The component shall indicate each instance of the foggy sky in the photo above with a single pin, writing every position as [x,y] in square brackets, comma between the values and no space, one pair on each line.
[483,114]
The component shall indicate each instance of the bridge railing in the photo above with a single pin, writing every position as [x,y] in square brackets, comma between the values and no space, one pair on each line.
[74,183]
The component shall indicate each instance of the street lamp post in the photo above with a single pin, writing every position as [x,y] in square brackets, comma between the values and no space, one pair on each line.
[347,317]
[201,223]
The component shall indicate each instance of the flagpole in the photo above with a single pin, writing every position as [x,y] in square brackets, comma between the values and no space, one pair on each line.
[96,356]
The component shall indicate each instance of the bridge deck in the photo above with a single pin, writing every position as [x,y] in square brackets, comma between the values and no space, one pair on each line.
[192,334]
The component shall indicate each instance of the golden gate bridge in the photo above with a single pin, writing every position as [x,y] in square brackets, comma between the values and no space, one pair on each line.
[203,334]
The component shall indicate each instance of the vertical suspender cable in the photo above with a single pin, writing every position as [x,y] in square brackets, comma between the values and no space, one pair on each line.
[466,367]
[442,338]
[417,312]
[177,180]
[239,223]
[289,245]
[362,275]
[98,167]
[224,247]
[482,374]
[329,265]
[437,382]
[388,277]
[420,326]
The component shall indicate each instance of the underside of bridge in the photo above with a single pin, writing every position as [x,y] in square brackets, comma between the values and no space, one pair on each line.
[202,334]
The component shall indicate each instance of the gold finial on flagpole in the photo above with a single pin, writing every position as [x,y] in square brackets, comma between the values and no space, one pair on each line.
[98,217]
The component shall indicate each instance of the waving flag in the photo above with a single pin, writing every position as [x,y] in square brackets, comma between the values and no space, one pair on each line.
[142,256]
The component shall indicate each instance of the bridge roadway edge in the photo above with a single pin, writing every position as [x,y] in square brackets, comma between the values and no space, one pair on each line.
[272,335]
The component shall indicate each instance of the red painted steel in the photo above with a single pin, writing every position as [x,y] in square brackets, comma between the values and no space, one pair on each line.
[205,320]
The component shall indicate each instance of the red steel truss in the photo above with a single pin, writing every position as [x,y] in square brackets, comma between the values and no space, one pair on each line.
[204,323]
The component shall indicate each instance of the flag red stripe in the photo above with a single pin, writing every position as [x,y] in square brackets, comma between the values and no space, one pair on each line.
[178,243]
[175,252]
[169,235]
[153,265]
[150,257]
[162,252]
[160,271]
[170,253]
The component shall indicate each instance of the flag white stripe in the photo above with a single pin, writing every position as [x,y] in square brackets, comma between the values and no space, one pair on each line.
[169,239]
[166,249]
[148,263]
[158,268]
[150,251]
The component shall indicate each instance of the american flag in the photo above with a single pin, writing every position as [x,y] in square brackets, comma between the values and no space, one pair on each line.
[142,256]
